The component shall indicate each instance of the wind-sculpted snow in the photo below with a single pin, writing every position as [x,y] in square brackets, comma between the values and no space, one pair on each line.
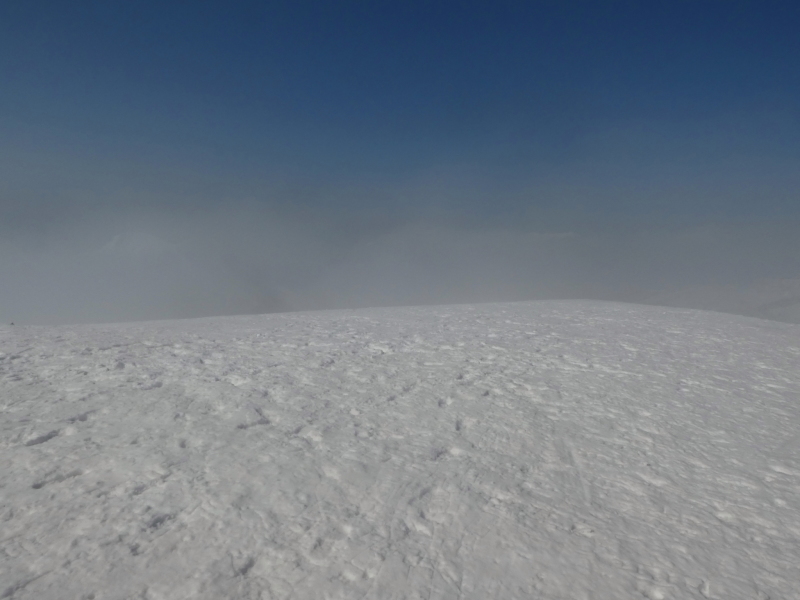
[530,450]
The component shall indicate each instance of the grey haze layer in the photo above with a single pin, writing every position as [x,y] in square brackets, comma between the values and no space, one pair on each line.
[252,259]
[527,450]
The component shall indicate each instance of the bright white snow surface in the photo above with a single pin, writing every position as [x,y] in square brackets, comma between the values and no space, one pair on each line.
[530,450]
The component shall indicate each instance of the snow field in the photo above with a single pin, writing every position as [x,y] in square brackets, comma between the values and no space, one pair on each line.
[529,450]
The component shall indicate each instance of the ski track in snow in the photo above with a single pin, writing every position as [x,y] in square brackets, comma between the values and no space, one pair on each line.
[558,450]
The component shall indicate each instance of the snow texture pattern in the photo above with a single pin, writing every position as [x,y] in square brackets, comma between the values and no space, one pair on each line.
[552,450]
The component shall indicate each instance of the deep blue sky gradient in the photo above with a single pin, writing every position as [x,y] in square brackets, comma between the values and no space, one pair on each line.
[551,114]
[355,88]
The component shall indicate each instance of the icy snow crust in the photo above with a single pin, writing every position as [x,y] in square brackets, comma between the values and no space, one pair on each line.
[528,450]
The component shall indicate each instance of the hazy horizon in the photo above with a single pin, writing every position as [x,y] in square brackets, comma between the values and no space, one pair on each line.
[160,162]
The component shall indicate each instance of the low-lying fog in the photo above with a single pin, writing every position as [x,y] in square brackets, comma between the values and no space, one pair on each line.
[119,265]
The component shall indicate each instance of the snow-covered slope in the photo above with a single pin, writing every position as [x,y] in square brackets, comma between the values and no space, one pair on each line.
[528,450]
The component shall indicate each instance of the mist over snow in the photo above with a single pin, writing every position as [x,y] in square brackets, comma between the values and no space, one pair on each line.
[249,258]
[399,300]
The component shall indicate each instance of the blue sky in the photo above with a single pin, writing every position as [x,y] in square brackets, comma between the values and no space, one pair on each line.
[354,118]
